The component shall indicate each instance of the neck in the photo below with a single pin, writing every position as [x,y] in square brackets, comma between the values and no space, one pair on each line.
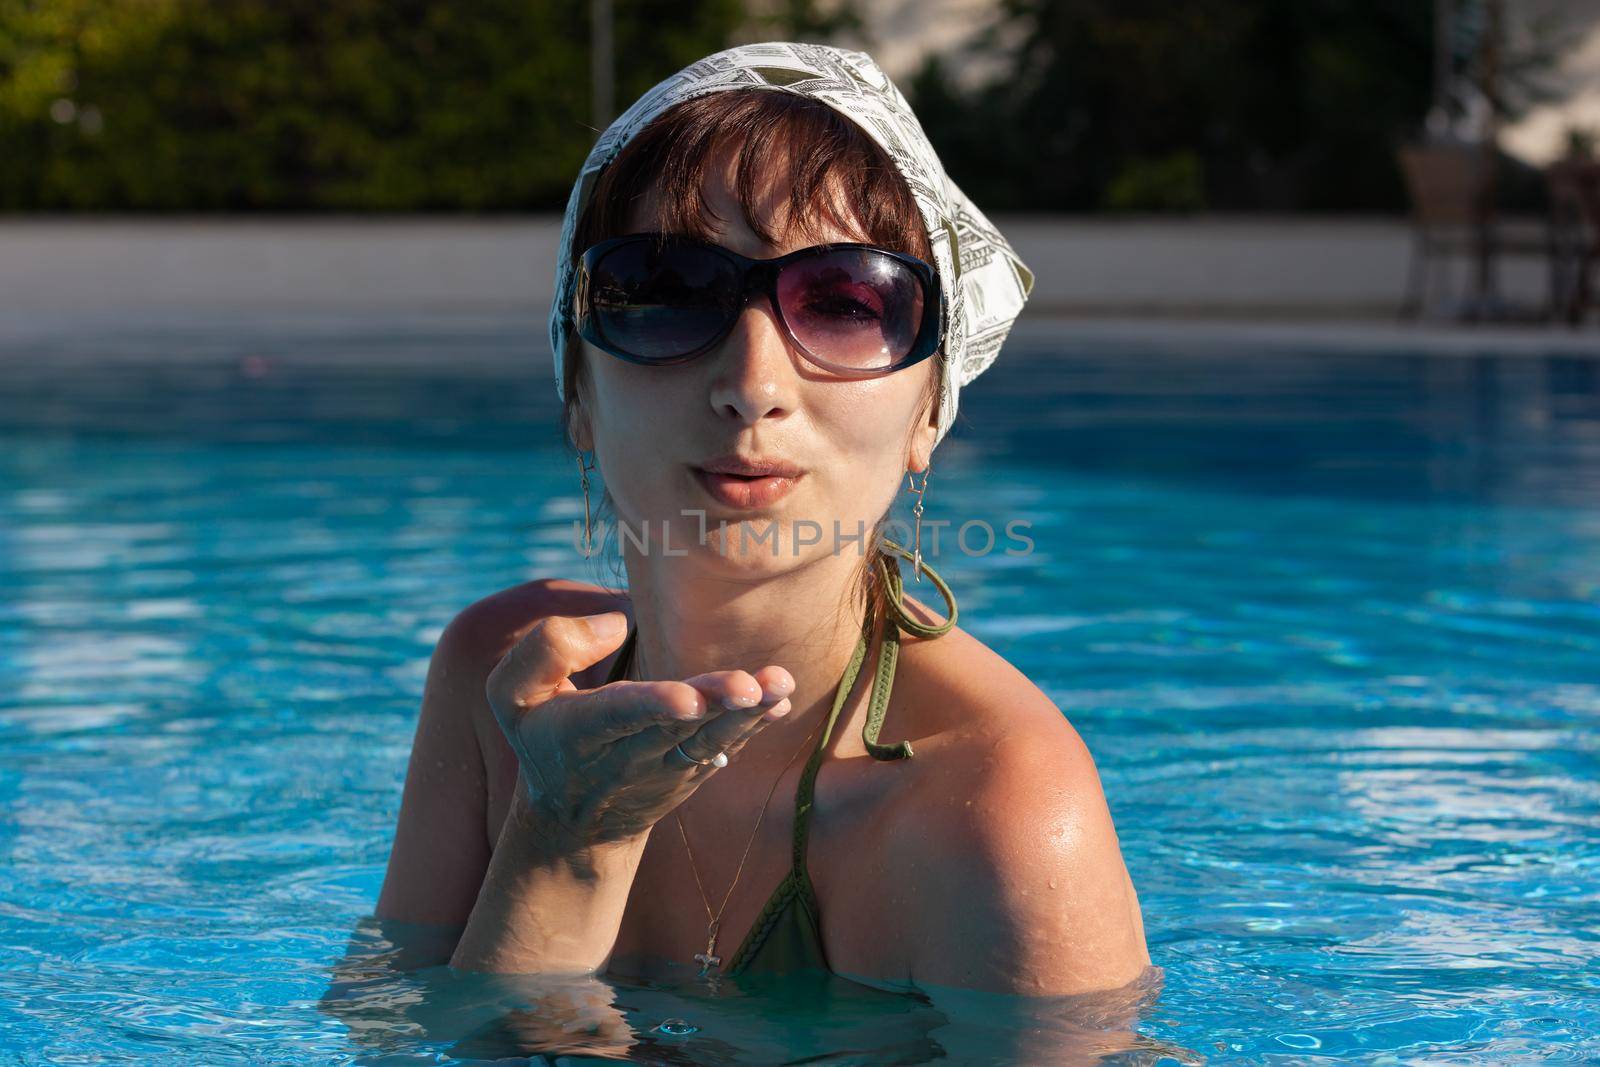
[694,616]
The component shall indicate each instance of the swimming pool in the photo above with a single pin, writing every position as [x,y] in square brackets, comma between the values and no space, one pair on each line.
[1329,623]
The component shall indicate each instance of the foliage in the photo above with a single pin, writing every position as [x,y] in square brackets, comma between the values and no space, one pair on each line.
[1169,183]
[1262,103]
[310,104]
[1128,105]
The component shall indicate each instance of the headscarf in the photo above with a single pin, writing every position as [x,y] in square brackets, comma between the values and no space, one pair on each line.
[984,282]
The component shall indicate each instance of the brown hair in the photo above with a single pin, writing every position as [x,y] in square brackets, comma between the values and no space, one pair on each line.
[828,159]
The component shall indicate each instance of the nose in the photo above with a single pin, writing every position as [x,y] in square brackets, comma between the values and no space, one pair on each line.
[755,376]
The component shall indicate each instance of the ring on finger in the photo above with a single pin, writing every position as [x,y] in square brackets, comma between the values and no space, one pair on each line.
[719,760]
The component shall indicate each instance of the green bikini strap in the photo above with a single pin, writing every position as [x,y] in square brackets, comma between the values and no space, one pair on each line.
[804,791]
[891,576]
[896,619]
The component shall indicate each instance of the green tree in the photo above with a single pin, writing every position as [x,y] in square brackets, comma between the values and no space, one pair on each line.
[1227,104]
[316,104]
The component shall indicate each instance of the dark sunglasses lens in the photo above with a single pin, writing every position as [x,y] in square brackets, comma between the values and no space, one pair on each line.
[661,301]
[856,309]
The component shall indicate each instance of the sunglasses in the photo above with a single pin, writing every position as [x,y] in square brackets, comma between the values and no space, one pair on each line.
[853,310]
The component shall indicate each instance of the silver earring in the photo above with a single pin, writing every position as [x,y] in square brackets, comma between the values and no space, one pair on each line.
[588,539]
[916,510]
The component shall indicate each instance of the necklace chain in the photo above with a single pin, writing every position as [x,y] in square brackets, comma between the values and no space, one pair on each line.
[709,959]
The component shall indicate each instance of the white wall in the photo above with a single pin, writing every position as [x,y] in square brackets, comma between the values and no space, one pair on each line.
[1272,267]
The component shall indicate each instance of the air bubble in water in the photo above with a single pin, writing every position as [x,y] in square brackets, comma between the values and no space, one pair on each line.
[678,1028]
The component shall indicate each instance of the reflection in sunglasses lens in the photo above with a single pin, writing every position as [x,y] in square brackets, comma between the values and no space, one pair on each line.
[856,309]
[659,303]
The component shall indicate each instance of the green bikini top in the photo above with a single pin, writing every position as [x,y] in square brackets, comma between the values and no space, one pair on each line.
[787,935]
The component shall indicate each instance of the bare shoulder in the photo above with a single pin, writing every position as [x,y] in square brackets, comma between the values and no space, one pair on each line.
[1002,838]
[485,630]
[478,638]
[461,772]
[954,688]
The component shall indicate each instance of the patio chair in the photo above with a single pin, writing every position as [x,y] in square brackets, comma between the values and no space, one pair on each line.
[1575,217]
[1451,190]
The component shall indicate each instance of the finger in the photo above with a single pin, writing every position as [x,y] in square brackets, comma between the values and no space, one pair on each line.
[729,732]
[651,740]
[618,709]
[774,684]
[736,690]
[557,646]
[692,764]
[676,709]
[776,712]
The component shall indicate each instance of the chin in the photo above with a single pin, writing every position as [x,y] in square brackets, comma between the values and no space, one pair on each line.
[748,546]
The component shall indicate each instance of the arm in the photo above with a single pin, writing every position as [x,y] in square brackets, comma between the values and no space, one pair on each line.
[440,857]
[548,906]
[442,841]
[440,849]
[595,774]
[1028,865]
[593,777]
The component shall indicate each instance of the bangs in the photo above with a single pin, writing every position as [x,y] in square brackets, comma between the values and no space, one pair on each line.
[837,175]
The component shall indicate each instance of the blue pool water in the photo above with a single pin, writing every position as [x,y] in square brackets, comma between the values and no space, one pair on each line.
[1329,623]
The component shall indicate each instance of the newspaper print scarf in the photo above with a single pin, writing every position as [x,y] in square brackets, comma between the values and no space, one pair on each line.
[984,282]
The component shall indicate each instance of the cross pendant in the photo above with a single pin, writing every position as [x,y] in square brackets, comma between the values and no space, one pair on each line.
[708,959]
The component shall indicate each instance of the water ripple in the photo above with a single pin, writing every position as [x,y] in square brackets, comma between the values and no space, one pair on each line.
[1330,637]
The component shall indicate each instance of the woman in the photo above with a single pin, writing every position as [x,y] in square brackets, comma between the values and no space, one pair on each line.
[593,776]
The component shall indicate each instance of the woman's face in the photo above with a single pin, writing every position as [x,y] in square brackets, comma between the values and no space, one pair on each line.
[653,429]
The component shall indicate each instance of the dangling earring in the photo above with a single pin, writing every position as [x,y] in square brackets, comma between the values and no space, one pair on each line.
[583,474]
[916,510]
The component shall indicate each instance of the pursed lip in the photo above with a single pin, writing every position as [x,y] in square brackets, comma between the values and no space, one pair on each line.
[747,482]
[750,466]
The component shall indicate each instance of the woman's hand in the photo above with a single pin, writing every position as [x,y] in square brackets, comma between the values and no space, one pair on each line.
[597,766]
